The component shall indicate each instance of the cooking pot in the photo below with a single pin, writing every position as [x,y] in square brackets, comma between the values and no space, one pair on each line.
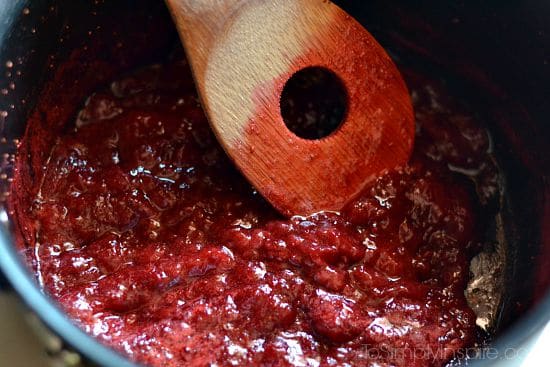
[494,56]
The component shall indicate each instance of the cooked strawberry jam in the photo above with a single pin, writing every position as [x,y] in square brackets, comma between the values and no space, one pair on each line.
[153,242]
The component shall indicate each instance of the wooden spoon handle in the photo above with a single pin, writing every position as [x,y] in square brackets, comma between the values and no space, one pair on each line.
[200,23]
[243,52]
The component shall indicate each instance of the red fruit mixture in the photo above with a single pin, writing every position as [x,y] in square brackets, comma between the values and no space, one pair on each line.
[154,243]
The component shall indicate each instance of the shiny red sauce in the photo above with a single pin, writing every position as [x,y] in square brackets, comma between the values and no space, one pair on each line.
[153,242]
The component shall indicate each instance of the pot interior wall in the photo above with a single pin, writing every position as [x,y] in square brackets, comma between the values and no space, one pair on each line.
[494,52]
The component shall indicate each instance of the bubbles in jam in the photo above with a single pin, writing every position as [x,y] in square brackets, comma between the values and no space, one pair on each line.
[153,242]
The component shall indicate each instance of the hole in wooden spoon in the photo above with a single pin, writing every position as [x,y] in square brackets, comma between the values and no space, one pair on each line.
[313,103]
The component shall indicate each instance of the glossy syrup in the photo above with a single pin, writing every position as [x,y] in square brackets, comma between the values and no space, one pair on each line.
[154,243]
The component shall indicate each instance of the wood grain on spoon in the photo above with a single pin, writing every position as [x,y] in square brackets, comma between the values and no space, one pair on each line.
[242,52]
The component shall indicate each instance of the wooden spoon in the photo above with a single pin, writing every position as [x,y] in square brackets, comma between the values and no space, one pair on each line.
[242,52]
